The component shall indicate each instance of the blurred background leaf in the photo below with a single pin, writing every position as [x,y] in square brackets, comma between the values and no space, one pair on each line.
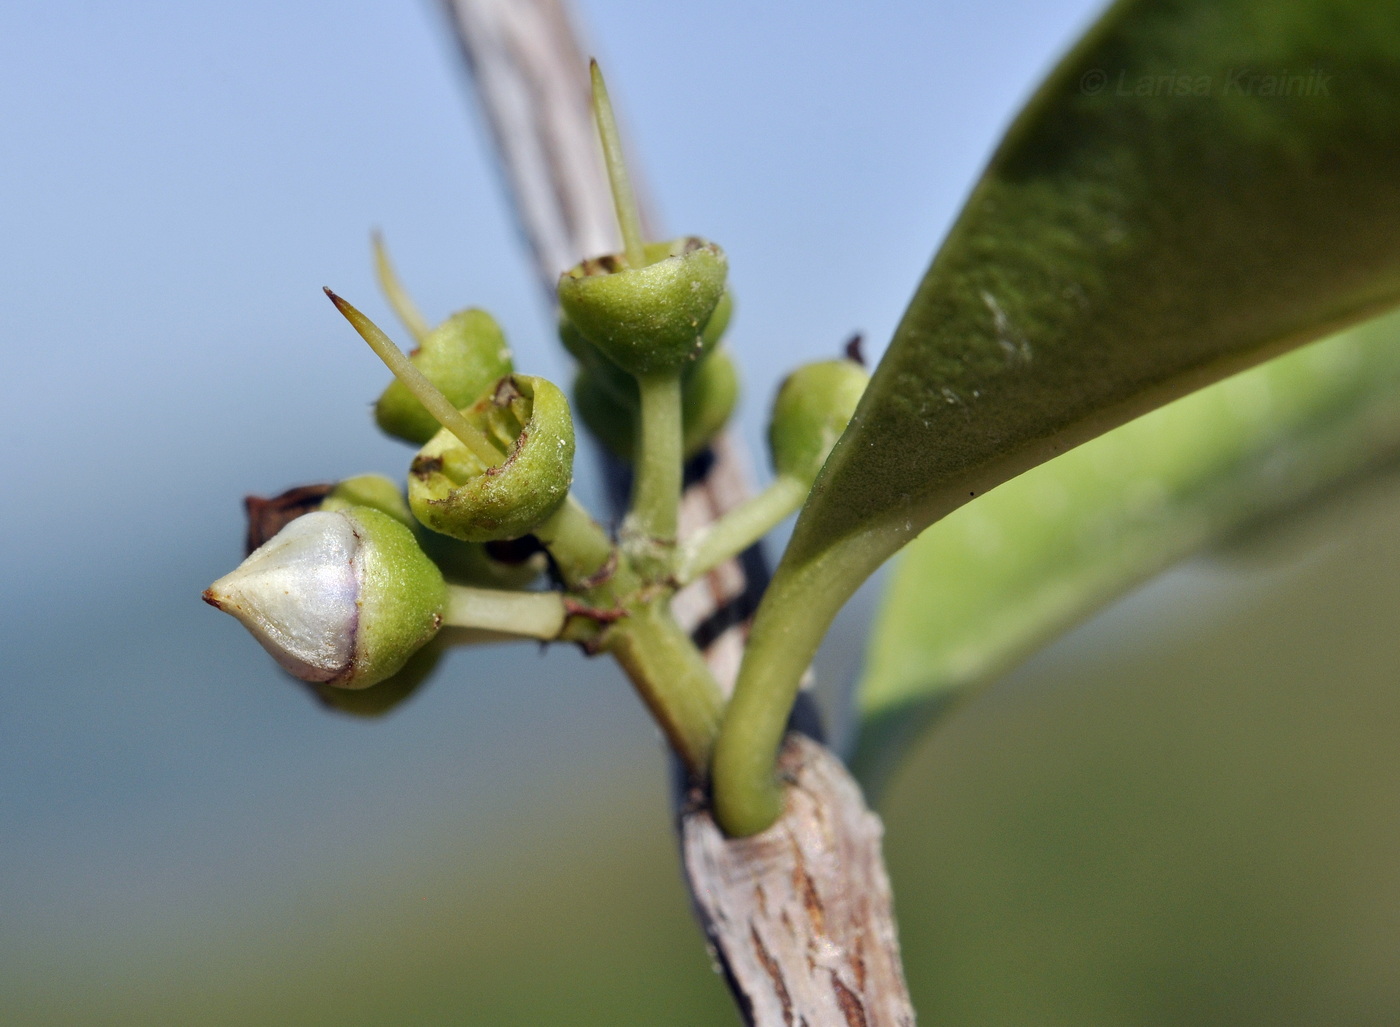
[983,587]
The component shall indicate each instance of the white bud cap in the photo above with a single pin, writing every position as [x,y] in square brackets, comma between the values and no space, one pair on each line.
[298,595]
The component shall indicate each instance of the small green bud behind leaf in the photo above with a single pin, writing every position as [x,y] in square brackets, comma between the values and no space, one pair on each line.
[709,395]
[453,492]
[342,597]
[464,356]
[651,319]
[813,406]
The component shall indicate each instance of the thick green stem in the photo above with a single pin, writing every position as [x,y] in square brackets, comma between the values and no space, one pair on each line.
[791,622]
[580,547]
[740,528]
[673,680]
[629,219]
[656,492]
[396,294]
[527,614]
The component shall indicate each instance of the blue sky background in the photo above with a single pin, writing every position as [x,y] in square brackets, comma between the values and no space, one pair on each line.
[180,180]
[177,183]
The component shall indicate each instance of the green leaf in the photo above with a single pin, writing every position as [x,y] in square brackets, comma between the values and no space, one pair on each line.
[985,586]
[1130,241]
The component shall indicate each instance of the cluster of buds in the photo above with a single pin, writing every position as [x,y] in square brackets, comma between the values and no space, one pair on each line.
[363,575]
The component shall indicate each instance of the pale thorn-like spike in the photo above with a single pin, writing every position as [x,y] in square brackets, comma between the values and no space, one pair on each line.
[629,219]
[393,288]
[423,390]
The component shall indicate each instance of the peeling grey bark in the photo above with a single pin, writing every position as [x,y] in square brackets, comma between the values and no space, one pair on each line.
[531,79]
[799,918]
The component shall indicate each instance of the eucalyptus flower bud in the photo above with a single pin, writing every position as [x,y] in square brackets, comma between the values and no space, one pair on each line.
[497,565]
[389,694]
[613,379]
[452,490]
[340,597]
[374,491]
[468,563]
[578,347]
[464,356]
[612,421]
[649,319]
[709,395]
[813,406]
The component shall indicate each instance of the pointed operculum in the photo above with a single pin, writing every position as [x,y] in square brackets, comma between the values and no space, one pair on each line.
[298,595]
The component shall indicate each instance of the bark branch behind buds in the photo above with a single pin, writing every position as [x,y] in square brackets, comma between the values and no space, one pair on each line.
[799,918]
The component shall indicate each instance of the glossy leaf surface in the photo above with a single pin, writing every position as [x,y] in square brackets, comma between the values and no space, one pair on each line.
[1197,187]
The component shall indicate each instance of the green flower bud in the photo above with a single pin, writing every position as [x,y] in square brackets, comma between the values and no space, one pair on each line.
[374,491]
[708,399]
[577,346]
[342,597]
[469,563]
[389,694]
[812,408]
[464,356]
[452,491]
[709,395]
[612,421]
[650,319]
[620,385]
[465,562]
[616,382]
